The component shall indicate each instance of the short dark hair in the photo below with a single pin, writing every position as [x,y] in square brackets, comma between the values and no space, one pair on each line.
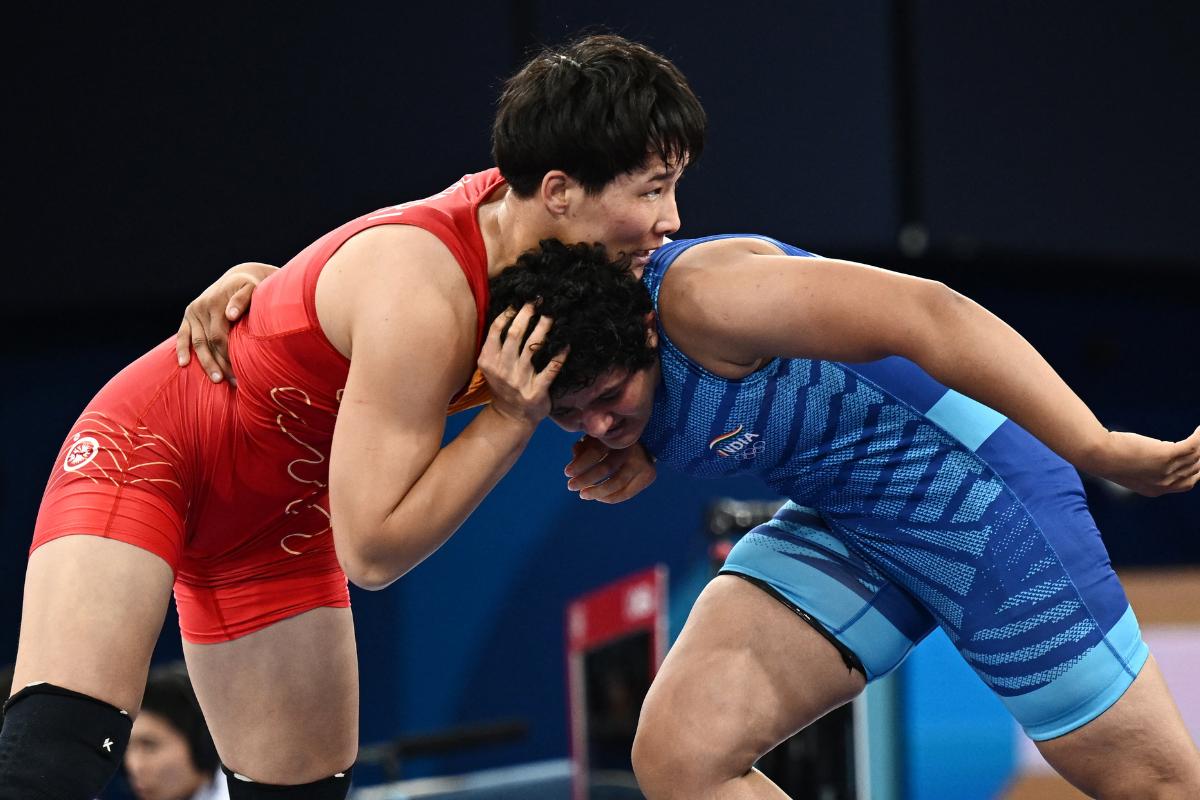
[598,306]
[596,108]
[169,694]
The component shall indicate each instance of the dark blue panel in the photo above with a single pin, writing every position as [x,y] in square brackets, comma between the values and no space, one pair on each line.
[797,94]
[1061,128]
[156,151]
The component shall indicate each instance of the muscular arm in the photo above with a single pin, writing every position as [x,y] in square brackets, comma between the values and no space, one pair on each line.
[749,306]
[395,494]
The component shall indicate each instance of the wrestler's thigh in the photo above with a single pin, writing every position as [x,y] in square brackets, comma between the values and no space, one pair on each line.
[1138,744]
[282,703]
[93,609]
[746,673]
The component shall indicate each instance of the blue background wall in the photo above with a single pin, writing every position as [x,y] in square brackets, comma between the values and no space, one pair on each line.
[1045,151]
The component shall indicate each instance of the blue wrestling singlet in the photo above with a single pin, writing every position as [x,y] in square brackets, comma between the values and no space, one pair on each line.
[912,506]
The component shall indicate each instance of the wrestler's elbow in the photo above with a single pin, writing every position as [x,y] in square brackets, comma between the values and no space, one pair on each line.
[930,310]
[366,563]
[366,573]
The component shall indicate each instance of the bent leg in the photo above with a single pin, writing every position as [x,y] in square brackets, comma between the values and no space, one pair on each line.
[745,674]
[282,703]
[1138,748]
[92,611]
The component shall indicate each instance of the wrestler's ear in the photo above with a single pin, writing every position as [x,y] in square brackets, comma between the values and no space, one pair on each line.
[555,192]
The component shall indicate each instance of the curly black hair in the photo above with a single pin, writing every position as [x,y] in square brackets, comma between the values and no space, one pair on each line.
[598,306]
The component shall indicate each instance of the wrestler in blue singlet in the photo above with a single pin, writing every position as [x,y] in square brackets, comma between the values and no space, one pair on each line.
[912,506]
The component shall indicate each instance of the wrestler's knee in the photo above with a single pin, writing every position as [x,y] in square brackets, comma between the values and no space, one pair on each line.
[684,753]
[1150,780]
[58,744]
[295,763]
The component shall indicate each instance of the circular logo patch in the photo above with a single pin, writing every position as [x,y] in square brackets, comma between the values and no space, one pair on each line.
[81,453]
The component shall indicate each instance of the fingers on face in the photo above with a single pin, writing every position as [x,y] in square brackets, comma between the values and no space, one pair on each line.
[624,484]
[631,489]
[587,444]
[591,476]
[615,482]
[585,453]
[603,491]
[590,452]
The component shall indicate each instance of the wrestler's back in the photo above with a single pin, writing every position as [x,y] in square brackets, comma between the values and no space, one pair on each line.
[954,502]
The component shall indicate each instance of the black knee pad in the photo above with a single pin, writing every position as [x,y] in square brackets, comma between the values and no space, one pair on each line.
[334,787]
[59,745]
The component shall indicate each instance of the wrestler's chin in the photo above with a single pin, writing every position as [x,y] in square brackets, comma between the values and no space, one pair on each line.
[624,436]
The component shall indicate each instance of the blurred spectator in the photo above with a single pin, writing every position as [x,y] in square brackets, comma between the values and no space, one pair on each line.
[171,754]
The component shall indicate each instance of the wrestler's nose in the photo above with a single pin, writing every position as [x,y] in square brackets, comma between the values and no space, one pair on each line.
[668,221]
[597,423]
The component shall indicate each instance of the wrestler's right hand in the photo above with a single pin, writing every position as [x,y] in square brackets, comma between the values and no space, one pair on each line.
[519,391]
[610,476]
[208,318]
[1150,467]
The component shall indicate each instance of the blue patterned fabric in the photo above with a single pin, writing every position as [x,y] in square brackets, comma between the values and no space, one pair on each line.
[932,508]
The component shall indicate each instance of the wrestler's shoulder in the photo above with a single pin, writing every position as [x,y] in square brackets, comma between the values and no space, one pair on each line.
[390,271]
[721,252]
[704,271]
[393,255]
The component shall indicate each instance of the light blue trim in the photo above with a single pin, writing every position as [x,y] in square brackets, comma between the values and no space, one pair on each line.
[879,645]
[967,420]
[838,603]
[877,642]
[1087,689]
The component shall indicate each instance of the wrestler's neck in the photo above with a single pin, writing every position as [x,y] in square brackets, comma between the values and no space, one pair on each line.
[511,225]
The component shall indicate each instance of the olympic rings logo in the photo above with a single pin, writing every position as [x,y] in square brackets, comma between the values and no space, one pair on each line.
[751,451]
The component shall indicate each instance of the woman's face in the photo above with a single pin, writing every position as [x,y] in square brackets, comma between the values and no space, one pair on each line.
[159,761]
[632,215]
[614,409]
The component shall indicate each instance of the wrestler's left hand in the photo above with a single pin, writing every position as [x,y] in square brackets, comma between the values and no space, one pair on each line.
[208,318]
[519,391]
[610,476]
[1148,466]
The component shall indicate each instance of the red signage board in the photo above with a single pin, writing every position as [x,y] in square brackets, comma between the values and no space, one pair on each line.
[605,629]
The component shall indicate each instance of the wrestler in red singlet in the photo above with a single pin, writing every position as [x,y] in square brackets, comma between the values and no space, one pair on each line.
[230,487]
